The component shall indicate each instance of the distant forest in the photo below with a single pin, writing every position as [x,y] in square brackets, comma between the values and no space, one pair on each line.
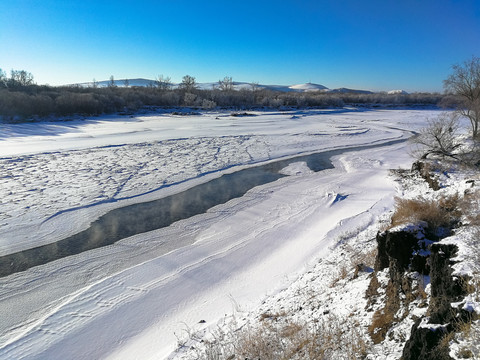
[22,100]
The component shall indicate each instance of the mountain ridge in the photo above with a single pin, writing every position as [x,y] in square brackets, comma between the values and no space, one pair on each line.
[237,85]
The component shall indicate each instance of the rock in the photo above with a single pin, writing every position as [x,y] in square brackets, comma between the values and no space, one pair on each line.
[396,246]
[360,268]
[424,170]
[444,288]
[420,263]
[382,260]
[423,343]
[395,249]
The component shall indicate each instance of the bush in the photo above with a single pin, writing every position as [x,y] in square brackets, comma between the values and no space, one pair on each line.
[77,104]
[42,105]
[208,104]
[189,99]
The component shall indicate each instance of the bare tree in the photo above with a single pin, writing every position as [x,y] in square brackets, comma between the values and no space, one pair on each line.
[3,78]
[439,137]
[126,83]
[111,83]
[226,84]
[94,83]
[20,78]
[188,83]
[163,83]
[465,82]
[254,86]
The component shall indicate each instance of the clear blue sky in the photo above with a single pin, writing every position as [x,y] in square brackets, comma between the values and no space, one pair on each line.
[375,45]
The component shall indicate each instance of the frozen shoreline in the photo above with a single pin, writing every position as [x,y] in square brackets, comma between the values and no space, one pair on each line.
[109,298]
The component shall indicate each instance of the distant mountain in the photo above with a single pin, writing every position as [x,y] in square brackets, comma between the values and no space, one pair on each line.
[351,91]
[241,86]
[307,87]
[208,86]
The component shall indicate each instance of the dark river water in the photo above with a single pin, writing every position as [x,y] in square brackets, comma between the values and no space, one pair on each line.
[134,219]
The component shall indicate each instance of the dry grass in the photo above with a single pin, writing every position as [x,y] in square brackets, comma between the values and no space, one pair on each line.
[329,338]
[359,261]
[341,275]
[272,316]
[437,214]
[381,322]
[441,351]
[421,291]
[470,334]
[356,261]
[366,258]
[372,290]
[465,353]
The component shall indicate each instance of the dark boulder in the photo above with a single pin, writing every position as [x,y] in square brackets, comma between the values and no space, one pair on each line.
[424,343]
[396,246]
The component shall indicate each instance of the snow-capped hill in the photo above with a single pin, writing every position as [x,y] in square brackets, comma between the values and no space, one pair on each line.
[308,87]
[397,92]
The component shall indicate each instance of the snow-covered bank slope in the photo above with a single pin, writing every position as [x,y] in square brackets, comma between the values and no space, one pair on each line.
[127,300]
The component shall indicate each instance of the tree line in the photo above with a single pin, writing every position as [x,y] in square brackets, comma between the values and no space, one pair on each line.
[21,99]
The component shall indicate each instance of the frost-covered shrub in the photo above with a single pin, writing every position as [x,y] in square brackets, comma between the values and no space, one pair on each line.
[189,99]
[208,104]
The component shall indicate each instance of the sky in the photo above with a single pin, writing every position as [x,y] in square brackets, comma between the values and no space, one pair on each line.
[377,45]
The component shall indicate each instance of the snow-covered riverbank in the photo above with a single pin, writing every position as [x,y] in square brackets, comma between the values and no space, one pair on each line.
[128,300]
